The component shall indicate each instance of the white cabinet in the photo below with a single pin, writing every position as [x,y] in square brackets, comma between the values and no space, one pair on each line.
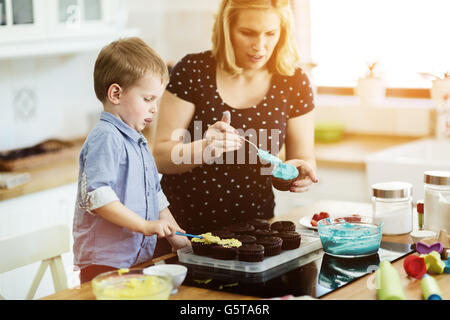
[34,27]
[20,20]
[28,213]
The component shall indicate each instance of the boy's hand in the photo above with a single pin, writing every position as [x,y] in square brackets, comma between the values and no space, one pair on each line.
[162,228]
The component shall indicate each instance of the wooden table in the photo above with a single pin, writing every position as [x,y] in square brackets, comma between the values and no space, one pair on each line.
[361,289]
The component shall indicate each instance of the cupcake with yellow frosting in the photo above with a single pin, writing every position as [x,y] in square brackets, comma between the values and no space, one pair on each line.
[226,249]
[202,246]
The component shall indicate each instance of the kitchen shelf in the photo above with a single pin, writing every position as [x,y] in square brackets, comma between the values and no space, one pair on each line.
[57,46]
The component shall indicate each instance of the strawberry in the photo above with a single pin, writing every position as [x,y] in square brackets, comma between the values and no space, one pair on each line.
[323,215]
[313,223]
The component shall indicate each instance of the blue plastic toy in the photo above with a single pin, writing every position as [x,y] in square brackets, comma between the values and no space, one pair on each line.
[447,266]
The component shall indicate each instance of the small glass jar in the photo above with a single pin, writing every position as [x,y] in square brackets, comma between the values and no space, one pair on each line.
[437,200]
[393,206]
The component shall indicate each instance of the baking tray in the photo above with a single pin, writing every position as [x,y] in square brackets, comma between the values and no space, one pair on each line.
[307,245]
[41,154]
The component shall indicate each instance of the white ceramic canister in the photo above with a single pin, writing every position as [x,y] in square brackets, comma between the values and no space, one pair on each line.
[437,200]
[393,205]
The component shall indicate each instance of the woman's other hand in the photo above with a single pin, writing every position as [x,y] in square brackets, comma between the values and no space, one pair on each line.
[306,177]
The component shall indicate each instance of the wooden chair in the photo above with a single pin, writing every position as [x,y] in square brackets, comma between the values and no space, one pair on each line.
[45,245]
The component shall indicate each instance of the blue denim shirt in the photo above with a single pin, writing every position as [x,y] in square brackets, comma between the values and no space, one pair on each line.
[115,164]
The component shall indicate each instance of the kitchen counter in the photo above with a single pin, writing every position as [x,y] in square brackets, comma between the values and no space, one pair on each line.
[48,176]
[352,149]
[349,152]
[357,290]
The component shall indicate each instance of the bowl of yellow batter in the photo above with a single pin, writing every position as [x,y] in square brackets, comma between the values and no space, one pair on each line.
[132,284]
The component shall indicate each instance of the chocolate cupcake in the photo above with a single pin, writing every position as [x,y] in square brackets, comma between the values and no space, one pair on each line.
[251,252]
[223,234]
[262,224]
[284,176]
[281,226]
[272,245]
[241,228]
[246,238]
[223,252]
[201,248]
[291,239]
[259,233]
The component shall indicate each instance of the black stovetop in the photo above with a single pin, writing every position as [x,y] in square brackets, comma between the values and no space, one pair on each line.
[315,274]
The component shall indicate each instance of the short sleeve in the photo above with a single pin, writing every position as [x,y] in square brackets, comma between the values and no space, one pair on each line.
[101,168]
[162,199]
[184,78]
[301,96]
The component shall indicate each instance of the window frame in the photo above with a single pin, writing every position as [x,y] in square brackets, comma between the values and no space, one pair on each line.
[20,32]
[302,17]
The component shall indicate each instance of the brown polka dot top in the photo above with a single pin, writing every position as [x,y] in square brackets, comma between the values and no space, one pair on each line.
[236,187]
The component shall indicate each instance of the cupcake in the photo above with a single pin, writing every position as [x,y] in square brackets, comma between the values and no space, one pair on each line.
[246,238]
[223,234]
[241,228]
[281,226]
[260,224]
[202,246]
[259,233]
[284,175]
[226,249]
[251,252]
[272,245]
[291,240]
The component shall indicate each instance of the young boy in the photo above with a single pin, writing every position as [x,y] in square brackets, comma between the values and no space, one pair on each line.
[121,209]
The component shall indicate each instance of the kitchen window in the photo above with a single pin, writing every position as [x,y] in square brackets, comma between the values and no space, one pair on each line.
[17,12]
[405,37]
[19,20]
[77,11]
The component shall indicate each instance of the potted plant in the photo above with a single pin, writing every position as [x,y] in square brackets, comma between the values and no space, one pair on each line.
[371,88]
[440,87]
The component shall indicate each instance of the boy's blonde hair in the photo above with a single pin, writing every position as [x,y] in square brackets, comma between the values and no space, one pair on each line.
[125,62]
[285,55]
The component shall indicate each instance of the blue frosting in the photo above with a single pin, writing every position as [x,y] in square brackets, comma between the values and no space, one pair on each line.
[282,170]
[285,171]
[266,156]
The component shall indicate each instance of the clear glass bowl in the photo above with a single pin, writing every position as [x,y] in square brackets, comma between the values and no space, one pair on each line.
[354,239]
[132,285]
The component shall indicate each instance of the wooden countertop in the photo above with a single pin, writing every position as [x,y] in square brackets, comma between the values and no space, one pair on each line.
[352,149]
[357,290]
[48,176]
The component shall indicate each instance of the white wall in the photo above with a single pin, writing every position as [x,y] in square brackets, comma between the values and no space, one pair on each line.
[44,97]
[176,27]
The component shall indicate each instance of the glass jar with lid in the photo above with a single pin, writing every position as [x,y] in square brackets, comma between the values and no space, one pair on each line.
[437,200]
[393,205]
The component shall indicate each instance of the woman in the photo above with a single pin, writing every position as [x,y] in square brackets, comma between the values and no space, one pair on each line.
[215,180]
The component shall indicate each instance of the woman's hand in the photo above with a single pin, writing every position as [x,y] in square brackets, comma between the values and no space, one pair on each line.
[220,138]
[306,177]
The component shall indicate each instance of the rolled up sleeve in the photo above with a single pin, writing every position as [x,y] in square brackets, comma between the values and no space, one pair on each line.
[101,169]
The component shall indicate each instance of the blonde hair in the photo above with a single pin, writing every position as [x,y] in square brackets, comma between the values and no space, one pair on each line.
[285,55]
[125,62]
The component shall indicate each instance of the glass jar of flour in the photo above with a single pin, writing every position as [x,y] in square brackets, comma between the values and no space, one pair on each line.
[393,205]
[437,200]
